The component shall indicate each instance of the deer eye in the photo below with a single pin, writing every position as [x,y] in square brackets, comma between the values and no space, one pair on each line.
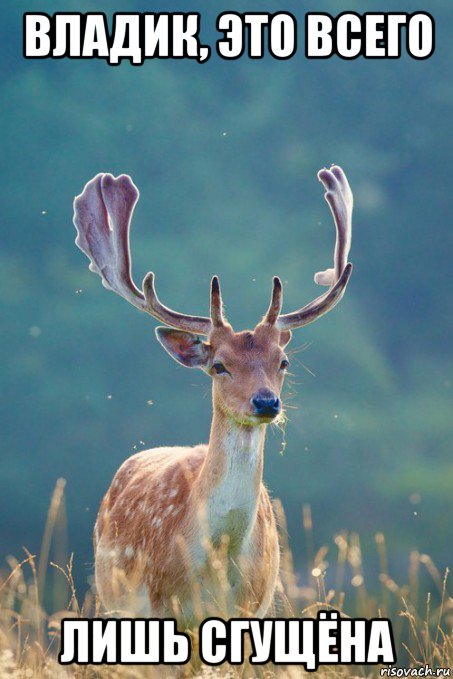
[284,364]
[219,368]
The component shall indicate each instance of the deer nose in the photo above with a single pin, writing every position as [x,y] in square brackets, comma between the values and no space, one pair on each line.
[265,402]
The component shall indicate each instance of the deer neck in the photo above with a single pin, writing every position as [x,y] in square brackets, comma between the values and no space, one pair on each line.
[229,484]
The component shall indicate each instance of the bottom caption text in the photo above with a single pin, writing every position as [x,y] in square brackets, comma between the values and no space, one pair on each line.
[325,640]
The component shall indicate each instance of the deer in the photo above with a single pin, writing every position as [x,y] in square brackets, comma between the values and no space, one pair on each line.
[170,510]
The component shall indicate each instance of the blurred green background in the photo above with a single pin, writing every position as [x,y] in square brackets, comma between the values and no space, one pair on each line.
[225,155]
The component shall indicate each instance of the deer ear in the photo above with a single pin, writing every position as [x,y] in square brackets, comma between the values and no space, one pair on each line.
[285,338]
[185,347]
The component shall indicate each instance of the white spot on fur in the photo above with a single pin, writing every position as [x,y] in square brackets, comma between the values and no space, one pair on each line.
[129,551]
[173,493]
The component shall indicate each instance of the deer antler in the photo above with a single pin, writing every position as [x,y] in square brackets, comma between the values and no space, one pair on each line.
[102,216]
[339,197]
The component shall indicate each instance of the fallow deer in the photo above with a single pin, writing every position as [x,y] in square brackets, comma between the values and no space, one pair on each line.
[169,509]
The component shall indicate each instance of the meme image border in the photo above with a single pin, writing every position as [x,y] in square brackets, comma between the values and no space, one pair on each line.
[192,568]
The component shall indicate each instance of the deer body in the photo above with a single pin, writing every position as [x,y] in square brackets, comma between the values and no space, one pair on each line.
[160,546]
[190,531]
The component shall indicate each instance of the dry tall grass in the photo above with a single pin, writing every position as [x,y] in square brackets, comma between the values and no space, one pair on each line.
[422,620]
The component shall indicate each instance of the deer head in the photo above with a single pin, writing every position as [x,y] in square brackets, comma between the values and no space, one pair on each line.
[247,367]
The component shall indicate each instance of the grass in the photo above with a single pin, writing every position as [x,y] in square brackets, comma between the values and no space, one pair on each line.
[422,616]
